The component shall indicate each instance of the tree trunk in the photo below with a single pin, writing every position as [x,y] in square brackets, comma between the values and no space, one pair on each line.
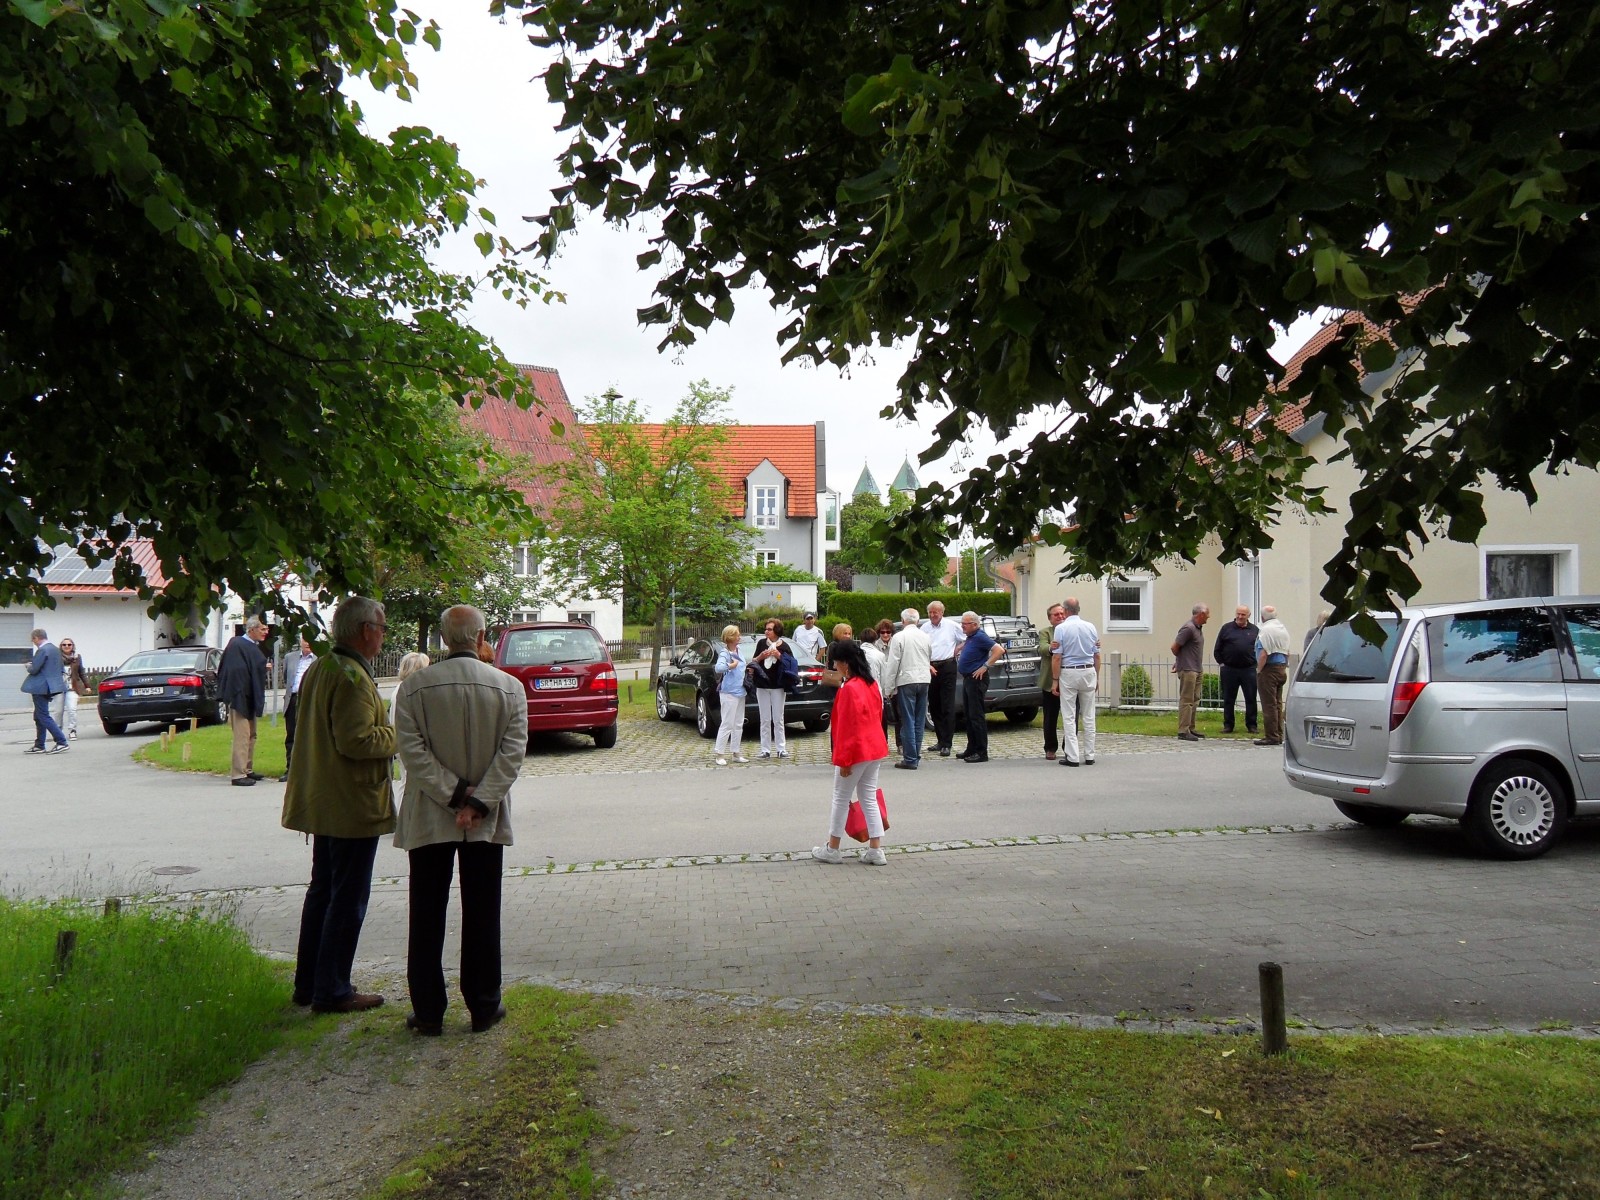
[655,650]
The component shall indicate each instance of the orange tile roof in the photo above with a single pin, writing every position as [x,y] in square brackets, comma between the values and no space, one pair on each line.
[144,556]
[792,449]
[528,432]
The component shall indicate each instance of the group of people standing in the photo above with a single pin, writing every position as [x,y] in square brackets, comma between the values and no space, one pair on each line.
[460,729]
[54,681]
[1252,660]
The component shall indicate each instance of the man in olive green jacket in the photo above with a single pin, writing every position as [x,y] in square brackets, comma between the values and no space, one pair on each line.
[339,793]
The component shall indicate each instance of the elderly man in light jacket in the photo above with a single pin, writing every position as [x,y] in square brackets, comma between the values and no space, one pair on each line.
[906,674]
[461,727]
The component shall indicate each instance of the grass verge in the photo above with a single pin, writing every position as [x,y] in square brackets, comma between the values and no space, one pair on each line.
[210,750]
[153,1011]
[530,1136]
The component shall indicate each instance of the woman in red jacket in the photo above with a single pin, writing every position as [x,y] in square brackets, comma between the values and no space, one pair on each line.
[858,749]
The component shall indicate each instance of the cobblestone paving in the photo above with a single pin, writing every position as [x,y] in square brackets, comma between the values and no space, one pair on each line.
[648,744]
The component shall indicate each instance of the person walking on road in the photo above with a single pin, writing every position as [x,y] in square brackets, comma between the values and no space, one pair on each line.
[944,644]
[729,669]
[1075,658]
[1186,651]
[906,674]
[1272,668]
[461,731]
[242,684]
[979,652]
[767,676]
[859,749]
[75,685]
[1235,652]
[339,794]
[43,682]
[1049,696]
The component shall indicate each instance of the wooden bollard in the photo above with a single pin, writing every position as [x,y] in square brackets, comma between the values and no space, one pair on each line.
[1274,1031]
[113,906]
[66,943]
[630,693]
[194,723]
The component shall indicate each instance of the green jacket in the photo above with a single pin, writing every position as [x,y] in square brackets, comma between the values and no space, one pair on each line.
[339,776]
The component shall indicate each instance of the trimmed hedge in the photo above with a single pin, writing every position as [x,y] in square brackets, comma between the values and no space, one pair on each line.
[868,608]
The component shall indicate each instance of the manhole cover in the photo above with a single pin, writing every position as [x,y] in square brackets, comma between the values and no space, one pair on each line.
[174,870]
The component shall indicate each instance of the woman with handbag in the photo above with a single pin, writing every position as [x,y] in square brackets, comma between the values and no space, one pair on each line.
[77,685]
[859,748]
[766,676]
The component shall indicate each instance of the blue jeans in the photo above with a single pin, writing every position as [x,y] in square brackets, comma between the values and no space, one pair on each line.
[913,698]
[44,723]
[331,919]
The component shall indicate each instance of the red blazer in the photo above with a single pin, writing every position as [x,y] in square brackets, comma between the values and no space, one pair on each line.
[858,724]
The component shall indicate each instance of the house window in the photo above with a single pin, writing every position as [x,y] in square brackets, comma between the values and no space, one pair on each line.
[524,561]
[1510,571]
[525,615]
[1128,604]
[830,518]
[586,618]
[766,508]
[766,558]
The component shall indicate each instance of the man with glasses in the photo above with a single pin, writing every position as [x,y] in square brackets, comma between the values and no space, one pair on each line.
[1049,697]
[339,793]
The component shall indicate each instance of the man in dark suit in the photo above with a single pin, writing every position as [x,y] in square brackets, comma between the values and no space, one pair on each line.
[42,683]
[242,683]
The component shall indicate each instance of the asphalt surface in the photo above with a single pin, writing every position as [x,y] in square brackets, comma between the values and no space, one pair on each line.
[1148,886]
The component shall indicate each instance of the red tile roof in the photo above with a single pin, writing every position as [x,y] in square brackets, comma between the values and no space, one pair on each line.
[792,449]
[144,555]
[530,433]
[1293,415]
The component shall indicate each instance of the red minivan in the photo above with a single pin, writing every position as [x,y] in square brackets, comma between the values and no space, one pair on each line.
[566,672]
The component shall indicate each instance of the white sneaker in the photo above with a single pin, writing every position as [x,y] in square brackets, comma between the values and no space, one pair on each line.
[721,762]
[765,754]
[874,858]
[827,854]
[740,758]
[783,754]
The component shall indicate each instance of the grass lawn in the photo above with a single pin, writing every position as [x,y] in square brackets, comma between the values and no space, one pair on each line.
[210,749]
[153,1011]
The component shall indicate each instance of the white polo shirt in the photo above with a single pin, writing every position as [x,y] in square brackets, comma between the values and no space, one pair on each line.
[1075,642]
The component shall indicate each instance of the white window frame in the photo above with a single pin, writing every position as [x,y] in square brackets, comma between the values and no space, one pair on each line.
[766,558]
[1147,603]
[586,616]
[764,505]
[525,616]
[524,561]
[1565,554]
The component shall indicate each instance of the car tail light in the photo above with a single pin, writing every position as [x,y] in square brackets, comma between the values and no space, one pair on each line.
[1405,695]
[604,680]
[112,685]
[186,681]
[811,674]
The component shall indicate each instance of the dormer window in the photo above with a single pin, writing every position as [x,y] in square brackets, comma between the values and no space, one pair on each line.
[765,508]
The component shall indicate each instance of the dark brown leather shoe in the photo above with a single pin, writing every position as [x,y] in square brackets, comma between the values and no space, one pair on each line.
[354,1002]
[485,1023]
[424,1028]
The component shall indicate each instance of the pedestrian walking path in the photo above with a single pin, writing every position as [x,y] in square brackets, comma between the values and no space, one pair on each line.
[1155,926]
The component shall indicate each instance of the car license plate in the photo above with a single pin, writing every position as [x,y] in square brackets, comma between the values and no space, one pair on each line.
[145,691]
[558,683]
[1332,735]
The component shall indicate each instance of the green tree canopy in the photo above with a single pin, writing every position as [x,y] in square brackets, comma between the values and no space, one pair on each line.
[866,549]
[218,309]
[645,511]
[1103,212]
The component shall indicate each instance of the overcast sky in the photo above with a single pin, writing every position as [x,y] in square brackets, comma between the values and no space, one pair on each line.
[483,92]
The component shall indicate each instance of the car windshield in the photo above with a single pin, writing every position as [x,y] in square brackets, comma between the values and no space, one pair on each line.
[166,660]
[1340,655]
[553,647]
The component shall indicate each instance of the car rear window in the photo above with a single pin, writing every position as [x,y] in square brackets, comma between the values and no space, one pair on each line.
[553,647]
[165,662]
[1340,655]
[1514,645]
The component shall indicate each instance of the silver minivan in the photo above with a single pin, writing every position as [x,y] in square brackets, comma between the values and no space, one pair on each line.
[1487,712]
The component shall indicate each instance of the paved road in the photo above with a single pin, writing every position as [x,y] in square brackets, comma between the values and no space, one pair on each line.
[1152,883]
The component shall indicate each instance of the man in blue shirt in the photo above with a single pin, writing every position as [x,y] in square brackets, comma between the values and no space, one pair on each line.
[978,652]
[1075,651]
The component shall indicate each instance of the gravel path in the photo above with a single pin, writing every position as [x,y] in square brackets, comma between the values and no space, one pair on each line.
[708,1101]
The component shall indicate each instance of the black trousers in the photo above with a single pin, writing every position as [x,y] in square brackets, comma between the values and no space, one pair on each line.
[942,702]
[1052,718]
[290,716]
[431,868]
[973,691]
[1234,681]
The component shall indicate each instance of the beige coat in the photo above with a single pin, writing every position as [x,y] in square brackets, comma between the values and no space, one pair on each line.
[343,743]
[458,720]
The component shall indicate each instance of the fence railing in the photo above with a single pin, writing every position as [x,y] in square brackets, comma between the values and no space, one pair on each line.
[1127,682]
